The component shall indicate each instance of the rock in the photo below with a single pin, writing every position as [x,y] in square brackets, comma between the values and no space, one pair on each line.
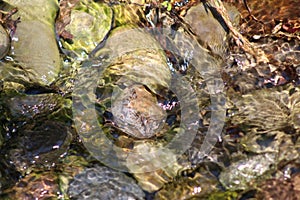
[33,45]
[208,28]
[100,182]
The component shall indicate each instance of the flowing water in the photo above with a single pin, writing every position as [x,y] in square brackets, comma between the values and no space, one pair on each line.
[149,100]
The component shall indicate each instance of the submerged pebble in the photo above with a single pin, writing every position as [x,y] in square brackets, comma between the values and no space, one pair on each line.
[89,23]
[34,45]
[36,185]
[242,174]
[267,109]
[211,29]
[137,112]
[38,145]
[100,182]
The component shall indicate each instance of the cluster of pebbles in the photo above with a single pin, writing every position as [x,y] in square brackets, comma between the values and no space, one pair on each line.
[71,65]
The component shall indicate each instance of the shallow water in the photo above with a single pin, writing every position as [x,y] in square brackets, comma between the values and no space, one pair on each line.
[204,119]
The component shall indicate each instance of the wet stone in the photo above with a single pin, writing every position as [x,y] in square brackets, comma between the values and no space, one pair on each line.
[241,174]
[39,145]
[27,108]
[100,182]
[136,112]
[70,166]
[88,24]
[36,185]
[4,42]
[273,141]
[210,29]
[265,109]
[41,63]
